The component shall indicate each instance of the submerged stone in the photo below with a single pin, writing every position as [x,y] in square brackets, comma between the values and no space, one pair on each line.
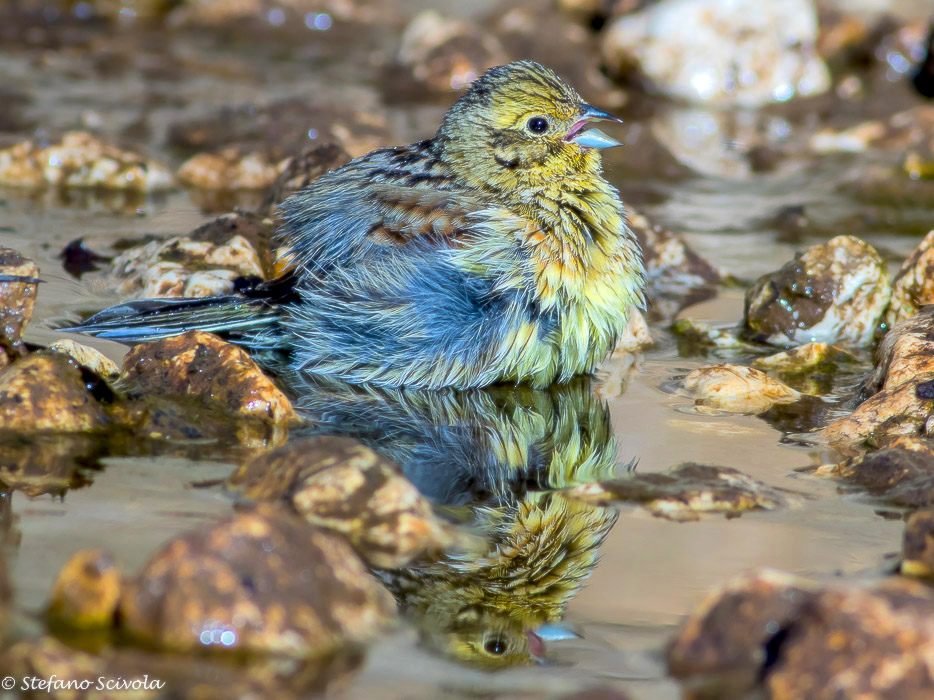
[684,492]
[736,389]
[918,545]
[901,474]
[834,292]
[261,581]
[344,486]
[202,365]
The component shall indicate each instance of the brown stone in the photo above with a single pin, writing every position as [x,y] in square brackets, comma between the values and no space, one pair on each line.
[858,643]
[728,633]
[261,581]
[918,545]
[342,485]
[19,281]
[683,492]
[202,365]
[736,389]
[913,286]
[48,391]
[87,590]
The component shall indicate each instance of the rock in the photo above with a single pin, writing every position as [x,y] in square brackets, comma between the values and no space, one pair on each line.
[918,545]
[49,392]
[834,292]
[683,492]
[204,263]
[637,335]
[676,276]
[733,52]
[282,129]
[88,357]
[261,581]
[87,591]
[230,169]
[80,160]
[729,631]
[913,286]
[19,281]
[303,169]
[202,365]
[695,338]
[736,389]
[805,358]
[901,474]
[442,54]
[898,403]
[342,485]
[855,642]
[795,640]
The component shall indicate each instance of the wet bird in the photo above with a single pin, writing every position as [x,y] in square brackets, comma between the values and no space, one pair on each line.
[493,252]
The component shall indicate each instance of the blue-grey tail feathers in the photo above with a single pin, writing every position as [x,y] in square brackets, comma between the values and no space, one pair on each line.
[252,323]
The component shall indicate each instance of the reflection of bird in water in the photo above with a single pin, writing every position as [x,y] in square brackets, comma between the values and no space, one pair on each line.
[489,458]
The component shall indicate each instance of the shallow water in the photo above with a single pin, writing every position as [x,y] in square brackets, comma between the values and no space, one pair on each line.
[651,572]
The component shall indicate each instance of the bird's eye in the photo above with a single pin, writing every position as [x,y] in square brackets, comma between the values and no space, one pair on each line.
[538,125]
[495,646]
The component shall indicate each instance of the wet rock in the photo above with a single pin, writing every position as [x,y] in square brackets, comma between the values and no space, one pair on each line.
[736,389]
[858,643]
[695,338]
[834,292]
[282,129]
[918,545]
[199,364]
[93,359]
[19,281]
[637,335]
[193,677]
[901,474]
[684,492]
[906,352]
[913,286]
[720,51]
[261,581]
[204,263]
[676,275]
[442,54]
[342,485]
[87,591]
[80,159]
[729,631]
[230,169]
[795,640]
[303,169]
[898,402]
[809,357]
[48,392]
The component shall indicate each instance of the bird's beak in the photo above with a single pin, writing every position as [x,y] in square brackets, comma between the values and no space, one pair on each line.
[551,632]
[592,138]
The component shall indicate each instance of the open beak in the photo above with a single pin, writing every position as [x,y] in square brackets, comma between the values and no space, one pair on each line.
[592,138]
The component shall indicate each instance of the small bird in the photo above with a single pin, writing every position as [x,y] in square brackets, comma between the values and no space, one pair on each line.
[493,252]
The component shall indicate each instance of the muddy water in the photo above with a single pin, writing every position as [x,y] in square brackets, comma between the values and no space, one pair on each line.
[652,571]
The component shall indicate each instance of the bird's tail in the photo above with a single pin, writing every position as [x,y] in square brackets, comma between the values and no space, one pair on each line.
[253,323]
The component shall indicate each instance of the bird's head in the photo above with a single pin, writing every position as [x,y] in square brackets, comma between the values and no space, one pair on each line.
[520,126]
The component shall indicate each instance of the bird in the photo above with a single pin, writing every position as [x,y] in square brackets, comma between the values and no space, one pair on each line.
[493,461]
[493,252]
